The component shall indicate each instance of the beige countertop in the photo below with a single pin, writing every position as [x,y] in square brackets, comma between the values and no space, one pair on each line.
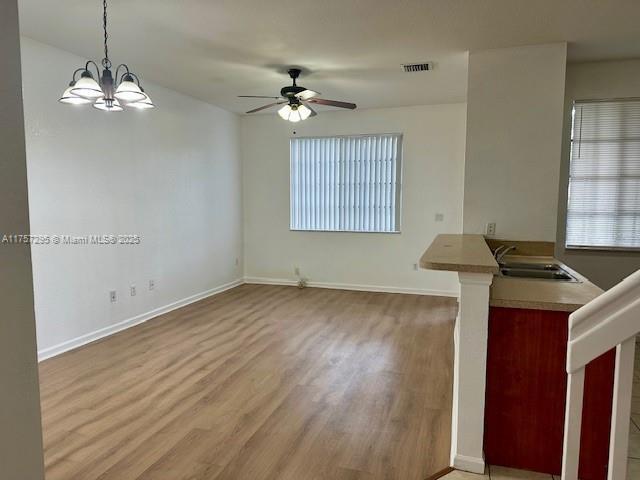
[459,253]
[470,253]
[541,294]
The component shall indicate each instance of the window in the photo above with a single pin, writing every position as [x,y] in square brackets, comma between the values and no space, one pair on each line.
[346,184]
[603,210]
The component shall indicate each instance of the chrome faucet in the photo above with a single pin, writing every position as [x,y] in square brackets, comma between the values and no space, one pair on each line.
[500,252]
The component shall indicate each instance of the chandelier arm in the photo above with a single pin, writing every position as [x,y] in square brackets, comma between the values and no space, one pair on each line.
[126,67]
[135,76]
[91,62]
[76,72]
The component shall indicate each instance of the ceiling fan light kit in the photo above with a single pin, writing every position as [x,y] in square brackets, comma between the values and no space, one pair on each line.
[297,100]
[294,113]
[108,94]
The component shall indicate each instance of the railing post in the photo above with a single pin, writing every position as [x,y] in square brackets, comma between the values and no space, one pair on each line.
[572,425]
[622,386]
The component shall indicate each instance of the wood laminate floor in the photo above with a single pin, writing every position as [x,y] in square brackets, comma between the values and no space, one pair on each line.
[257,383]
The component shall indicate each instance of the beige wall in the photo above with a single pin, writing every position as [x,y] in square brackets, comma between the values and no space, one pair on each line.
[20,431]
[433,165]
[589,81]
[514,125]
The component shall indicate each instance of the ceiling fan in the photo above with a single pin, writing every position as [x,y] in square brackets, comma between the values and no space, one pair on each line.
[297,100]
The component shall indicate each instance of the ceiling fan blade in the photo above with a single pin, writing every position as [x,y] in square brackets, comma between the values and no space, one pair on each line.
[313,112]
[307,94]
[266,106]
[332,103]
[256,96]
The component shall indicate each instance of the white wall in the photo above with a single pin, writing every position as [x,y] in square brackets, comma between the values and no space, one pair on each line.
[595,80]
[171,175]
[433,146]
[20,430]
[514,129]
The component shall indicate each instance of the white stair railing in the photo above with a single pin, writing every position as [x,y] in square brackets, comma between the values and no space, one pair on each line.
[611,320]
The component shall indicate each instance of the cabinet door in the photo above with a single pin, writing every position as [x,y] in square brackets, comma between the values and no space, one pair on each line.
[526,389]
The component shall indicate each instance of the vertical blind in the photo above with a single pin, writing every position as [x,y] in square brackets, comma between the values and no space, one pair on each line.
[349,183]
[604,179]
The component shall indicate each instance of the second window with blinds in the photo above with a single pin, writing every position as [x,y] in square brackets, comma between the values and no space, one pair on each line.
[346,183]
[603,210]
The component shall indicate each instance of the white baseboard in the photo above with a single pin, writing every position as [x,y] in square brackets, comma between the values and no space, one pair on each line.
[270,281]
[469,464]
[130,322]
[351,286]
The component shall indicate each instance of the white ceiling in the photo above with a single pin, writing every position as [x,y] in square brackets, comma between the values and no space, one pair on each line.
[352,49]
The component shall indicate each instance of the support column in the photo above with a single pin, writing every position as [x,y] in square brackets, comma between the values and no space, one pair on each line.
[470,372]
[20,426]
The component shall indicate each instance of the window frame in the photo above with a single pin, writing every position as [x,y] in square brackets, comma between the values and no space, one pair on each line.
[587,248]
[399,183]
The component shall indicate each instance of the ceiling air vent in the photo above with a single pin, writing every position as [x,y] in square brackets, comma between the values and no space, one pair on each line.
[417,67]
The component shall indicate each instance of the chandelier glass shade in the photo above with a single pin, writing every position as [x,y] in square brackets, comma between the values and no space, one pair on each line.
[144,103]
[87,87]
[109,93]
[70,98]
[129,91]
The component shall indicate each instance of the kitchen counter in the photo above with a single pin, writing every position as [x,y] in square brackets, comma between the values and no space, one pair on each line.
[471,254]
[495,313]
[459,253]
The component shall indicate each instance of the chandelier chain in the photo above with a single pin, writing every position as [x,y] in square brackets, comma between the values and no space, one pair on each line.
[106,63]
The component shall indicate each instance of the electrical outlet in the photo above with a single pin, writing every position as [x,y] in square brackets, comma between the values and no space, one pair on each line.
[132,289]
[152,284]
[112,296]
[491,228]
[237,261]
[439,217]
[296,271]
[415,267]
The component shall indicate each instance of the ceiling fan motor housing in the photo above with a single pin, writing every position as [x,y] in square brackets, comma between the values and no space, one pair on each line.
[291,91]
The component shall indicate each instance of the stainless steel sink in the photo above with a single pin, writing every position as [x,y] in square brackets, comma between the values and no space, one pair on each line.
[531,266]
[557,274]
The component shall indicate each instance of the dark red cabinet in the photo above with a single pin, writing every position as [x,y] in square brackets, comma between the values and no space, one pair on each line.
[526,389]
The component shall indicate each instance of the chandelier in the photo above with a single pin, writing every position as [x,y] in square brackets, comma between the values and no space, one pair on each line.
[112,92]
